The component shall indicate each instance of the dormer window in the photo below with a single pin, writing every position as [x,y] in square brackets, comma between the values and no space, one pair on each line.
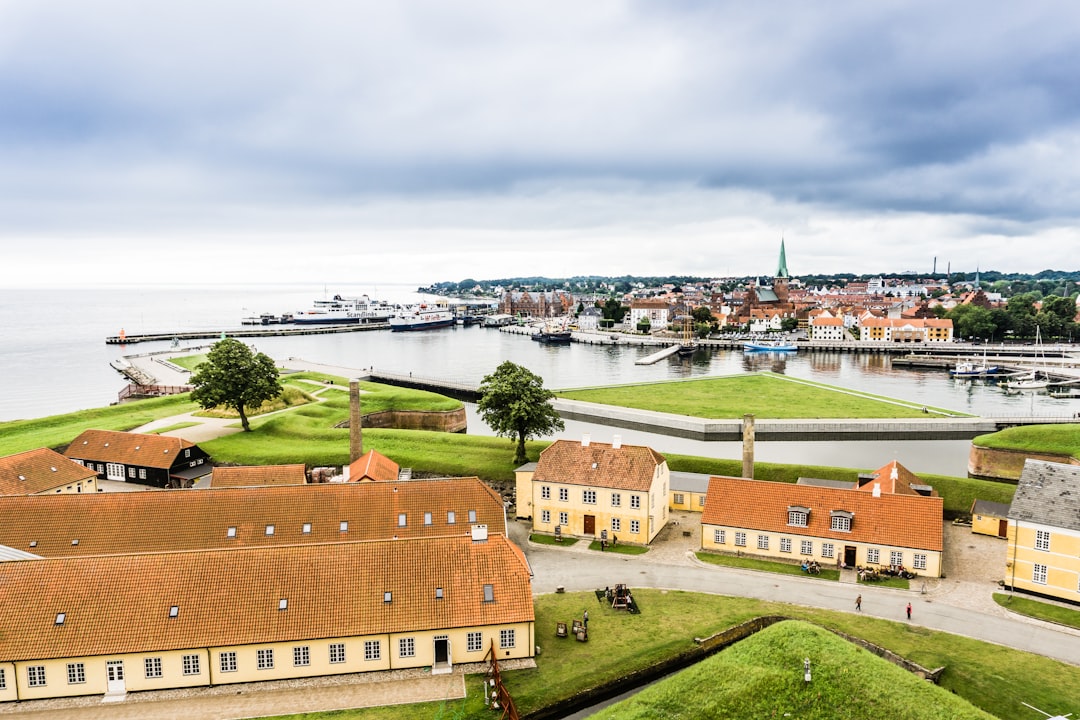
[797,515]
[174,611]
[841,520]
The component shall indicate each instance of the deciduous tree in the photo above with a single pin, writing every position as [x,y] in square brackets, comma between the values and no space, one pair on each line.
[514,402]
[235,377]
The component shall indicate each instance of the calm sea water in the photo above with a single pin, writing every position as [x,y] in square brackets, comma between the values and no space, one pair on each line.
[54,359]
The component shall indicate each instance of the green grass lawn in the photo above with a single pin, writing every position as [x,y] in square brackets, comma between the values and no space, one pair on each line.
[1061,439]
[189,362]
[753,563]
[990,677]
[766,395]
[1041,610]
[623,549]
[763,676]
[542,539]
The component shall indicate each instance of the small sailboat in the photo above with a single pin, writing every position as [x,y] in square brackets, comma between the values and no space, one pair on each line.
[687,346]
[970,368]
[1037,378]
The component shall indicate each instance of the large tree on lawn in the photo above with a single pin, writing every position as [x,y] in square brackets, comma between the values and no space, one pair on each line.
[514,402]
[235,377]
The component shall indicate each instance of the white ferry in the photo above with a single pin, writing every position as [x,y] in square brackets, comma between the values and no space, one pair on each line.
[345,311]
[425,316]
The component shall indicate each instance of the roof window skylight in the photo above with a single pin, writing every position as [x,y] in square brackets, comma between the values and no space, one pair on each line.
[174,611]
[283,604]
[60,618]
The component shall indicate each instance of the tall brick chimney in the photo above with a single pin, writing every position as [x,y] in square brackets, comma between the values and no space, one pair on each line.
[748,446]
[356,431]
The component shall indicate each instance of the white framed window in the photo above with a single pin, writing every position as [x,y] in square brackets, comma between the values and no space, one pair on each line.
[720,537]
[474,641]
[616,524]
[337,653]
[191,665]
[131,473]
[489,593]
[76,673]
[896,558]
[264,659]
[616,499]
[635,501]
[142,473]
[301,655]
[427,518]
[545,516]
[701,501]
[920,561]
[785,545]
[472,516]
[306,529]
[635,527]
[545,492]
[35,675]
[506,638]
[873,555]
[227,661]
[152,667]
[402,520]
[269,529]
[797,518]
[588,497]
[451,517]
[1038,574]
[678,498]
[3,680]
[763,542]
[372,649]
[564,494]
[841,523]
[1042,540]
[806,547]
[406,647]
[343,526]
[740,539]
[827,550]
[564,519]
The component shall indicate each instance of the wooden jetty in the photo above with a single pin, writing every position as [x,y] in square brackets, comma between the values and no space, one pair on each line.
[658,356]
[264,331]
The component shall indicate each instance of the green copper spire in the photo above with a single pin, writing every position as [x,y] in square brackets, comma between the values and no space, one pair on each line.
[781,270]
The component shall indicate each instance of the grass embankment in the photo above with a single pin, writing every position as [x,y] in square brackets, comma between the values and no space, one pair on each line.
[292,394]
[59,430]
[1041,610]
[189,362]
[1061,439]
[762,676]
[991,677]
[766,395]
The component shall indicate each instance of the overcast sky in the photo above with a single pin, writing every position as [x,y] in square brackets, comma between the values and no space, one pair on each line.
[323,141]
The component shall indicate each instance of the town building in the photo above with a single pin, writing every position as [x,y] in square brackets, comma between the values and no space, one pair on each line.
[372,466]
[990,518]
[41,471]
[905,330]
[536,304]
[656,310]
[110,624]
[155,460]
[258,475]
[688,491]
[825,327]
[1043,554]
[866,525]
[774,298]
[596,490]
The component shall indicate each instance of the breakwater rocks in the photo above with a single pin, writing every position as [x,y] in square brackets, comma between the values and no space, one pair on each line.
[998,464]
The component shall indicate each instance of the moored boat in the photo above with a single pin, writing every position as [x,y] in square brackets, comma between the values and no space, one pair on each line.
[344,311]
[769,346]
[424,316]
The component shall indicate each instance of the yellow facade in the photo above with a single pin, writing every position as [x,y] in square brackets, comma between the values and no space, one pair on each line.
[88,485]
[827,551]
[1043,559]
[253,663]
[523,501]
[586,511]
[685,500]
[987,525]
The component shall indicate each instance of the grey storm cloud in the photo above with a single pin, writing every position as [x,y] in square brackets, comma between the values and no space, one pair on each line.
[118,118]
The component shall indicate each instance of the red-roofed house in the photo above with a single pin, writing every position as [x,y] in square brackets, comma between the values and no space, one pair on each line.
[595,490]
[373,465]
[827,327]
[41,471]
[145,459]
[259,476]
[794,522]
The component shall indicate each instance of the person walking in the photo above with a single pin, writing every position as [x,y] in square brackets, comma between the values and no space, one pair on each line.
[585,619]
[858,603]
[909,611]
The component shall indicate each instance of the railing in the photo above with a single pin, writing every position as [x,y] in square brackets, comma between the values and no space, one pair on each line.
[495,693]
[134,390]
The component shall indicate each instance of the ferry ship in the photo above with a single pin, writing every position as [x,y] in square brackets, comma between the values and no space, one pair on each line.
[345,311]
[425,316]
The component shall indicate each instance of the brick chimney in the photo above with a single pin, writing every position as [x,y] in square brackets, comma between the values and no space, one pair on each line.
[356,431]
[748,446]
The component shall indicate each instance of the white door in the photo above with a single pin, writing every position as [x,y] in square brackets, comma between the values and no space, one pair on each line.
[115,670]
[114,471]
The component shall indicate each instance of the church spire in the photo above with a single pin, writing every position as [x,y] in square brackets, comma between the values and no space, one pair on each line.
[781,270]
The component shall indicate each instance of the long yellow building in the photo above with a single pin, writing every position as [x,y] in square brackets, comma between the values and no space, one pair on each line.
[1043,554]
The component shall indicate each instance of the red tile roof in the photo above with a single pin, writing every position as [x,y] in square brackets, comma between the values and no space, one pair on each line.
[893,478]
[39,470]
[120,603]
[896,520]
[159,521]
[629,467]
[153,451]
[258,475]
[373,465]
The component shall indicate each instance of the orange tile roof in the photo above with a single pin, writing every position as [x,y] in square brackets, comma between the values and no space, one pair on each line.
[822,321]
[39,470]
[893,478]
[154,451]
[629,467]
[896,520]
[120,603]
[258,475]
[373,465]
[159,521]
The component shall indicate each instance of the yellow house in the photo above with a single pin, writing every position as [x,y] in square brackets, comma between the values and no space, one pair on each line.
[845,527]
[990,518]
[44,471]
[597,490]
[688,491]
[110,624]
[1043,554]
